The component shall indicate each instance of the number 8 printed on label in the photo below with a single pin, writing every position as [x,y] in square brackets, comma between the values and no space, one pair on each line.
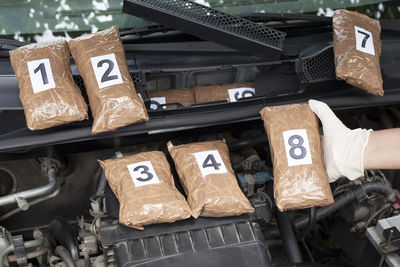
[142,173]
[106,70]
[297,147]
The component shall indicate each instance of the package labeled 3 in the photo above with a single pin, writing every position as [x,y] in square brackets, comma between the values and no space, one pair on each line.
[300,179]
[207,177]
[184,96]
[47,90]
[101,61]
[357,48]
[145,188]
[230,92]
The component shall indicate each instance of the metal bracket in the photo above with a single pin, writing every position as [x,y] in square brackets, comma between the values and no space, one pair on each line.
[19,249]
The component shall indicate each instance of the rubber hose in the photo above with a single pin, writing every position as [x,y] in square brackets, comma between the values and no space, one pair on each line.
[312,219]
[10,248]
[342,201]
[288,237]
[65,256]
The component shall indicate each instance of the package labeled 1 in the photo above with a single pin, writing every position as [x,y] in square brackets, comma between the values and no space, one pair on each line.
[300,178]
[230,92]
[100,58]
[208,179]
[48,92]
[184,97]
[357,48]
[145,188]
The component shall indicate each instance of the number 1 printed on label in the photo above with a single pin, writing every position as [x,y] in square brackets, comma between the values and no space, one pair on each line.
[106,70]
[142,173]
[41,75]
[210,162]
[297,147]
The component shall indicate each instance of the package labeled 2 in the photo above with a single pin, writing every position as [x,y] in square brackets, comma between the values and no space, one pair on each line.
[300,178]
[145,188]
[100,58]
[205,171]
[48,92]
[357,48]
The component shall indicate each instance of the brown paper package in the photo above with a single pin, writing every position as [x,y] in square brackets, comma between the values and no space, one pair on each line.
[116,105]
[147,203]
[47,108]
[358,68]
[214,195]
[183,96]
[303,185]
[215,92]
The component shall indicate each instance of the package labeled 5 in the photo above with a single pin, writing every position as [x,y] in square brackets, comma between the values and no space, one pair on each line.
[300,179]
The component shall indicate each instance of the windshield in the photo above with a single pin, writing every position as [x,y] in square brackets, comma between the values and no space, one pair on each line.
[42,20]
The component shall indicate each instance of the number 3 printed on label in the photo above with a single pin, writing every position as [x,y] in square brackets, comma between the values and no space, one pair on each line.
[41,75]
[106,70]
[142,173]
[297,147]
[210,162]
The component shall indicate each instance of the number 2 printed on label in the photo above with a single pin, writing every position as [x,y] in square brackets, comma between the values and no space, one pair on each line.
[142,173]
[297,147]
[364,41]
[106,70]
[41,75]
[210,162]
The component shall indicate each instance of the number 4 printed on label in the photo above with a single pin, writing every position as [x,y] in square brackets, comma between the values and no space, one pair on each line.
[106,70]
[41,75]
[210,162]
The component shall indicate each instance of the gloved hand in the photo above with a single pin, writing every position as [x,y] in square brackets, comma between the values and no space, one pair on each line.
[343,148]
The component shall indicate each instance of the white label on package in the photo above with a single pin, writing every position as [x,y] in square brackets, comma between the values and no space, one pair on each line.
[106,70]
[364,41]
[238,93]
[41,75]
[156,102]
[210,162]
[297,147]
[143,173]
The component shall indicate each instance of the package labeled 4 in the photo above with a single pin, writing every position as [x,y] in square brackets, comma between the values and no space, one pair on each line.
[207,176]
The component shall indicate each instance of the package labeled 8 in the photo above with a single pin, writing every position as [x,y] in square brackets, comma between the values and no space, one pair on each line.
[300,179]
[297,147]
[143,173]
[210,162]
[41,75]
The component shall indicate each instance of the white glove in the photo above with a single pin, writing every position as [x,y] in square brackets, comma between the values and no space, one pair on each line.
[343,148]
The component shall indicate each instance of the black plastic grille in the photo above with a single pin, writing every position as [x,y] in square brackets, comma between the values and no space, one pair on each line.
[320,67]
[136,77]
[209,24]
